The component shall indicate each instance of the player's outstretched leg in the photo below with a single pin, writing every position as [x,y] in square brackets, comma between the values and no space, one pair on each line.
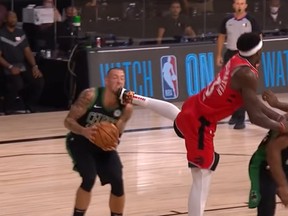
[163,108]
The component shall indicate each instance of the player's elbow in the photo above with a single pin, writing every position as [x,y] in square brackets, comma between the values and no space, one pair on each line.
[66,123]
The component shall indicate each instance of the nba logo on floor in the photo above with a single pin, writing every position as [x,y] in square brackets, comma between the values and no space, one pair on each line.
[169,77]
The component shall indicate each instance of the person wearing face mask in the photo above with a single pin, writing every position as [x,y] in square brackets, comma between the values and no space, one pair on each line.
[66,30]
[276,15]
[231,28]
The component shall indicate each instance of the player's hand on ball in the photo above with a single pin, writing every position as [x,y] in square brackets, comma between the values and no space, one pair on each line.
[270,97]
[90,132]
[107,136]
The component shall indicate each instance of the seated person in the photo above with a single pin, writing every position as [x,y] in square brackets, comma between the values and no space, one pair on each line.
[175,25]
[3,12]
[22,76]
[66,31]
[276,17]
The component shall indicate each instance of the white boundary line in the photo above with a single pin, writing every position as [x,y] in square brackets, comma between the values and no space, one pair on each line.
[158,48]
[132,49]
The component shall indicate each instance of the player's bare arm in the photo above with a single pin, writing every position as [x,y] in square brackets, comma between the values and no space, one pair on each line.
[127,112]
[220,43]
[246,82]
[77,110]
[273,151]
[273,101]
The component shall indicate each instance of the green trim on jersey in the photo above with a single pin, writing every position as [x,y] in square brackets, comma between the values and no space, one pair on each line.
[258,158]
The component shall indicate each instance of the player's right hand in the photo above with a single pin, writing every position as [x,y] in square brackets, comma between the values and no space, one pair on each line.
[219,61]
[90,132]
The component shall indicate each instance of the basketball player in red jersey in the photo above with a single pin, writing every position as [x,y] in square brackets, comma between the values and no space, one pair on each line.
[234,86]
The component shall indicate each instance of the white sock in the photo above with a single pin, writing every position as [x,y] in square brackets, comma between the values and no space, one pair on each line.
[163,108]
[199,191]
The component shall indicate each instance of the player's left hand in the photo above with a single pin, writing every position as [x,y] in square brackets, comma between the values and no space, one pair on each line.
[270,97]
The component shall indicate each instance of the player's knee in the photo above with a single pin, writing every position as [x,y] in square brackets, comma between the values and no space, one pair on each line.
[117,186]
[88,183]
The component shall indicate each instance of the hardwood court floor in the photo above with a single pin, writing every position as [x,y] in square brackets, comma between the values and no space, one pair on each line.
[36,177]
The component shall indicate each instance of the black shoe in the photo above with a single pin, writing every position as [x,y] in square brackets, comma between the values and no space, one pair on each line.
[239,125]
[232,121]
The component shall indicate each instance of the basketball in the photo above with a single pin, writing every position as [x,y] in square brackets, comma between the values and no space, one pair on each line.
[107,135]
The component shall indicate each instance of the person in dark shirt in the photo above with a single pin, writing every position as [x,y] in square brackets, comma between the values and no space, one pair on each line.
[175,25]
[276,17]
[268,167]
[93,106]
[66,31]
[22,75]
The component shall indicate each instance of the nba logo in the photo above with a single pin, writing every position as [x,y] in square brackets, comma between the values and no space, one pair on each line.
[169,77]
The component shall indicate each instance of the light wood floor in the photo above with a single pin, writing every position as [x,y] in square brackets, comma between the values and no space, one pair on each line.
[36,177]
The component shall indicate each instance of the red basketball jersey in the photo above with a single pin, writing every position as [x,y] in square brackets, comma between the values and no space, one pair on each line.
[218,100]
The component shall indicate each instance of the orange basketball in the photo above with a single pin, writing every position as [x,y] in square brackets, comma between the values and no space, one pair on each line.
[107,135]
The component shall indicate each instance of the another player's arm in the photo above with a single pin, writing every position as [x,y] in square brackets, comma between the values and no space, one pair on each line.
[246,82]
[273,101]
[273,152]
[121,123]
[77,110]
[272,114]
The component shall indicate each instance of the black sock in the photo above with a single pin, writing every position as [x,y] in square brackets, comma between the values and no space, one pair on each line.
[116,214]
[78,212]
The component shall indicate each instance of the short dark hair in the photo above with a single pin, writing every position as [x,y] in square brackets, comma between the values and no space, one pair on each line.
[248,41]
[114,68]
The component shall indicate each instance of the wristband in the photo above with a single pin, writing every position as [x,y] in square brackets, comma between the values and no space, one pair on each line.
[282,128]
[35,66]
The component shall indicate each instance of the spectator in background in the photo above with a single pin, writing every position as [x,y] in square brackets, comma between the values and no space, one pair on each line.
[276,15]
[3,13]
[22,76]
[175,25]
[66,30]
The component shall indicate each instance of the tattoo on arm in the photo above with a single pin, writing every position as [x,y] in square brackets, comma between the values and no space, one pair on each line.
[78,109]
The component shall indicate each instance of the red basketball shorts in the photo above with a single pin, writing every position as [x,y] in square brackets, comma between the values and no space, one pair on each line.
[198,134]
